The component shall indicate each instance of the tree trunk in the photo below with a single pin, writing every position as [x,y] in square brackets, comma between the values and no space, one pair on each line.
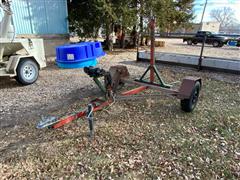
[109,43]
[122,41]
[141,23]
[141,31]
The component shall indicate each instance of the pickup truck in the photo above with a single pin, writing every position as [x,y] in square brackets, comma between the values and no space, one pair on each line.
[213,39]
[238,42]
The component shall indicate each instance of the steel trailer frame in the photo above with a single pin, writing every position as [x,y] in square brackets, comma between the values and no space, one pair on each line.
[188,92]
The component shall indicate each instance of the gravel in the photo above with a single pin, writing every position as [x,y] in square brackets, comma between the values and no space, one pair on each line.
[58,88]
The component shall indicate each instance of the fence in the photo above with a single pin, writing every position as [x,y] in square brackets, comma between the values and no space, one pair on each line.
[181,35]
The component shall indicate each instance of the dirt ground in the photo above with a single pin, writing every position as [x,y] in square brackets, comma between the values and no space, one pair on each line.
[146,138]
[177,46]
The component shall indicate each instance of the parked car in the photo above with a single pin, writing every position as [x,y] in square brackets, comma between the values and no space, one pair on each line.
[211,38]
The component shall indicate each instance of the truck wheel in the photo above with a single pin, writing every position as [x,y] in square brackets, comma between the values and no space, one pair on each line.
[189,42]
[216,44]
[188,105]
[195,43]
[27,72]
[221,45]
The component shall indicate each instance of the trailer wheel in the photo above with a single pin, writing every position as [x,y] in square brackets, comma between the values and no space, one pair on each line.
[188,105]
[27,71]
[189,42]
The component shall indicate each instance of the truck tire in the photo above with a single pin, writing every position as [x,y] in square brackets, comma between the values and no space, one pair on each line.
[189,42]
[195,43]
[216,44]
[27,72]
[188,105]
[221,45]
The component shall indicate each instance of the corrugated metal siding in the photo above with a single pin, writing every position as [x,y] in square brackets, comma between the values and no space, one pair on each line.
[40,16]
[21,18]
[58,16]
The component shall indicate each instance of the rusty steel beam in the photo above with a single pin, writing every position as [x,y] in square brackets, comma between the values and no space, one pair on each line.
[67,120]
[152,86]
[152,60]
[134,91]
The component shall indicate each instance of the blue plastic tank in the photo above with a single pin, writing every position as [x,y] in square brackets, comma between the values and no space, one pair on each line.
[98,51]
[79,55]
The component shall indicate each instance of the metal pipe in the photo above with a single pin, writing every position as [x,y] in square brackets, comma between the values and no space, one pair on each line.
[152,60]
[151,86]
[201,53]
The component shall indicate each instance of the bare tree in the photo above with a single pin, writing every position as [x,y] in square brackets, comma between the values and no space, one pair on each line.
[225,16]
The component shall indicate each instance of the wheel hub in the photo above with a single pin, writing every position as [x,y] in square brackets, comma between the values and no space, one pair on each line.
[29,72]
[195,97]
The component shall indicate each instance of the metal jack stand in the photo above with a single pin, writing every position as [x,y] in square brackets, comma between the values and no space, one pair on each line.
[152,68]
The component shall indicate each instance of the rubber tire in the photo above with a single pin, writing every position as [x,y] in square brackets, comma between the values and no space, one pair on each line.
[221,45]
[189,42]
[195,43]
[188,105]
[20,77]
[216,44]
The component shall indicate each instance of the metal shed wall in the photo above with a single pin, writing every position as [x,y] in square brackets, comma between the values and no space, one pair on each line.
[40,17]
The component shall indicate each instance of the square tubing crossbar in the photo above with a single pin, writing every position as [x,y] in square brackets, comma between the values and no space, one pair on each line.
[152,86]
